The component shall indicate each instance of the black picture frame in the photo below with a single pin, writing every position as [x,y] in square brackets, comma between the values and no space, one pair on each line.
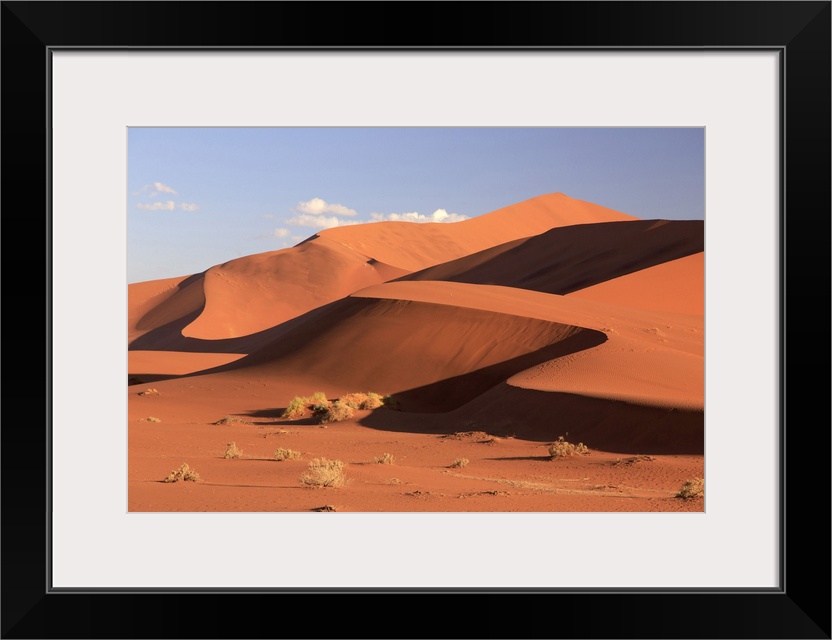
[799,608]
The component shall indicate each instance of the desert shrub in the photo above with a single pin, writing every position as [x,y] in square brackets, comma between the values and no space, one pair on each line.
[387,458]
[337,412]
[321,407]
[286,454]
[152,419]
[182,473]
[362,401]
[692,489]
[296,408]
[459,463]
[351,400]
[232,451]
[324,473]
[561,449]
[149,392]
[391,403]
[372,401]
[319,397]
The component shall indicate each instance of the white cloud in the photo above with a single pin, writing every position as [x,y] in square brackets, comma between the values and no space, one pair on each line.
[153,190]
[281,233]
[157,206]
[318,222]
[317,207]
[297,239]
[440,215]
[162,188]
[188,206]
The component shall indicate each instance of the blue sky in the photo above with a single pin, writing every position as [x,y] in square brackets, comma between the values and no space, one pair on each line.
[202,196]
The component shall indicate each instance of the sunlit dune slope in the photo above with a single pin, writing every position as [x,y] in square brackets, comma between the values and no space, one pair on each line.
[677,286]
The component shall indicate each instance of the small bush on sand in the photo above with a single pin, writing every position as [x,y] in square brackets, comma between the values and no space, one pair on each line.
[296,408]
[362,401]
[391,403]
[459,463]
[286,454]
[387,458]
[182,473]
[152,419]
[232,451]
[324,473]
[320,408]
[319,397]
[372,401]
[692,489]
[562,449]
[149,392]
[337,412]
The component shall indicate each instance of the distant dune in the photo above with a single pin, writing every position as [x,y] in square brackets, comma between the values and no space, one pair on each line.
[251,294]
[553,315]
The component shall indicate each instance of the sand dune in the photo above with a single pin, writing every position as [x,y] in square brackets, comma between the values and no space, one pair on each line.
[550,317]
[677,286]
[251,294]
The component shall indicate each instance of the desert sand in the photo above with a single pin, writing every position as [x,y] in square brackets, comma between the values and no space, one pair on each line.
[491,338]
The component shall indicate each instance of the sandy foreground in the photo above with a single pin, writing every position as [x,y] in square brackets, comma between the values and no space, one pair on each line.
[495,337]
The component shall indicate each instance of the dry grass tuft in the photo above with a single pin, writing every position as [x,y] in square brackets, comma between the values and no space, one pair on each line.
[362,401]
[152,419]
[338,412]
[459,463]
[563,449]
[387,458]
[286,454]
[149,392]
[324,473]
[296,408]
[692,489]
[629,462]
[182,473]
[231,420]
[232,451]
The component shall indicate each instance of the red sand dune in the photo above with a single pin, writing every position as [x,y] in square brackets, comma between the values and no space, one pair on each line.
[254,293]
[468,325]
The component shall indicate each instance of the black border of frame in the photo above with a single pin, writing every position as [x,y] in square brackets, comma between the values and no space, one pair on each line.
[800,31]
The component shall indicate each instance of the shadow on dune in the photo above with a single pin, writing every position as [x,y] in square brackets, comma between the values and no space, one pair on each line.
[566,259]
[602,424]
[449,394]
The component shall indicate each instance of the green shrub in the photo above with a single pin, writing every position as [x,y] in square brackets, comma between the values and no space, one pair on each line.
[391,403]
[296,408]
[319,397]
[324,473]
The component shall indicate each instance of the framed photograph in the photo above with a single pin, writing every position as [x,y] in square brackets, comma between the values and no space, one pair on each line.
[100,99]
